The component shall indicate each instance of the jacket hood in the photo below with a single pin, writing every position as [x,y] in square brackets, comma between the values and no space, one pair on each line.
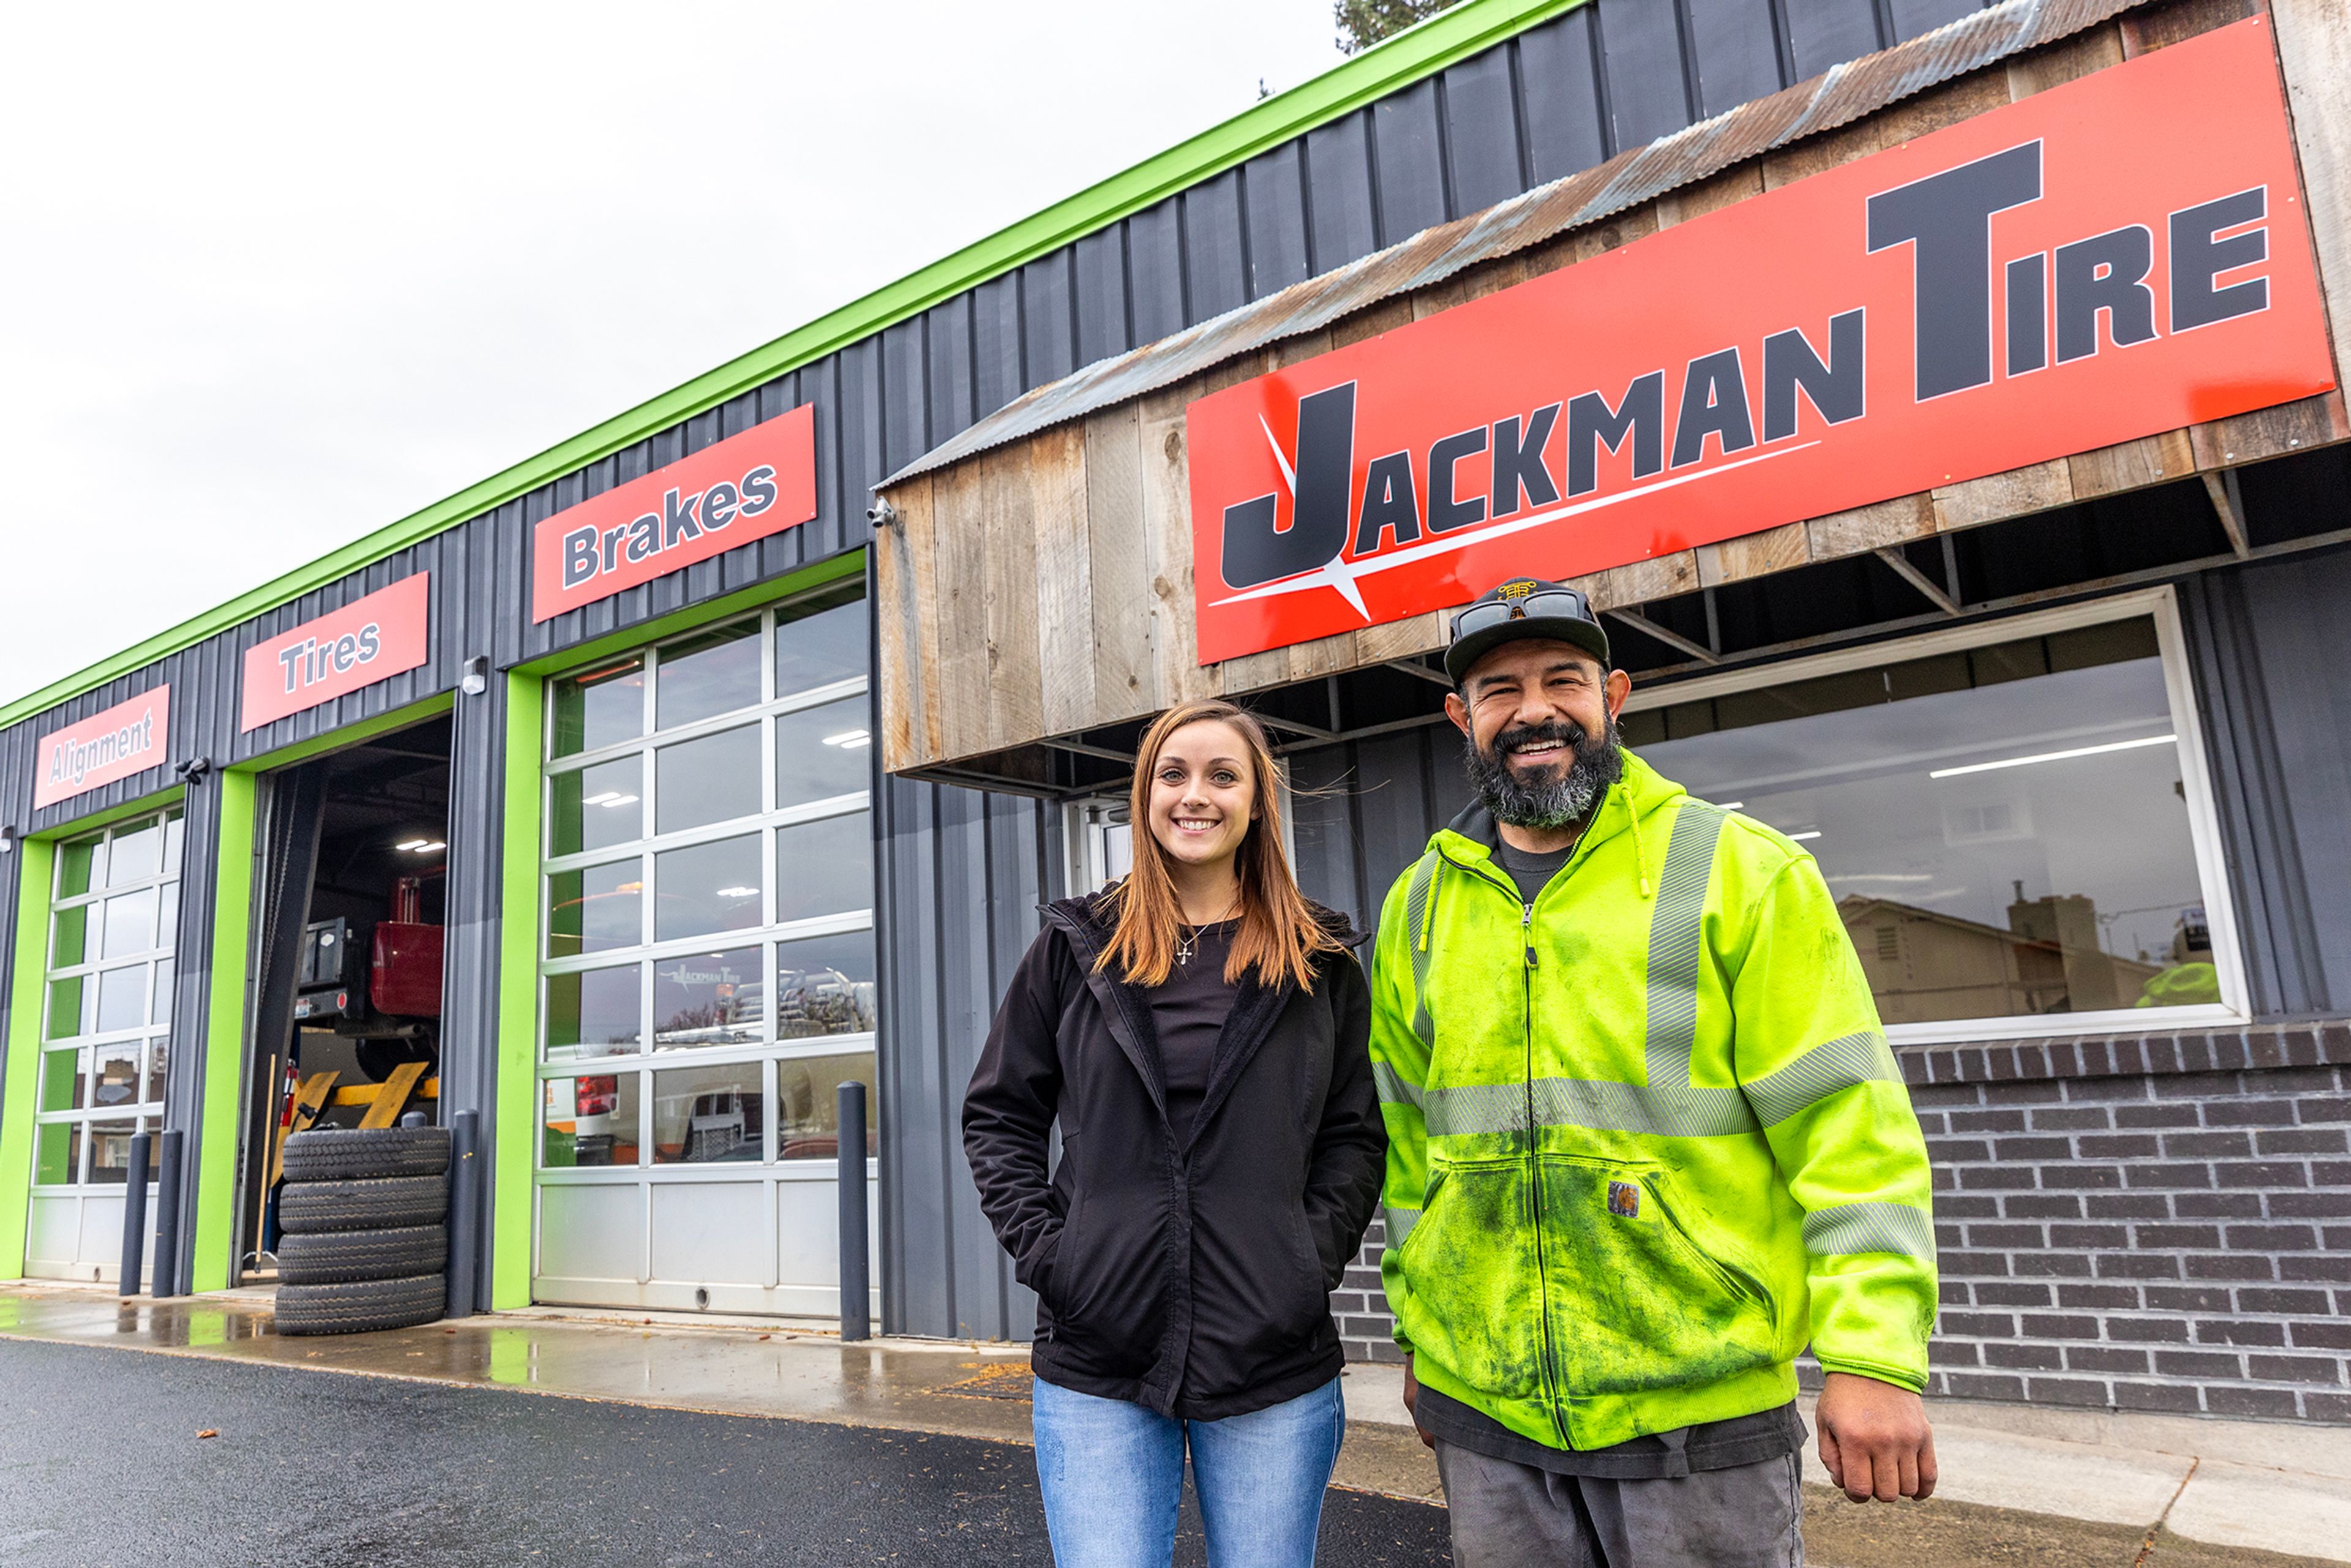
[1091,916]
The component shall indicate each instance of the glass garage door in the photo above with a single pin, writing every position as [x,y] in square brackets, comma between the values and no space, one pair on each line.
[113,923]
[706,981]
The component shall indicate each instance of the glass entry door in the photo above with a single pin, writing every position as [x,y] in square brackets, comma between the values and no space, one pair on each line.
[105,1039]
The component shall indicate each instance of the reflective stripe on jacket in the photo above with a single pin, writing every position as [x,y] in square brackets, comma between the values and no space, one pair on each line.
[1646,1138]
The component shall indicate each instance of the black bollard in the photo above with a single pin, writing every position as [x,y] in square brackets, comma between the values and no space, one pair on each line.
[134,1213]
[464,1210]
[856,1315]
[167,1215]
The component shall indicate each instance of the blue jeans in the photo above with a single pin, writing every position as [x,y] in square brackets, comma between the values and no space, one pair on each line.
[1114,1473]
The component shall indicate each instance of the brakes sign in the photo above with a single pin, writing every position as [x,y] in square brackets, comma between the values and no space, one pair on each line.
[745,487]
[2122,256]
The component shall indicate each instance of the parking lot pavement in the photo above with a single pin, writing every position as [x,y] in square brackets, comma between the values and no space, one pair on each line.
[106,1461]
[2053,1489]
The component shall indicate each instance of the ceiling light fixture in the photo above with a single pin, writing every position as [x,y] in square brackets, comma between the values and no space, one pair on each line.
[739,892]
[412,844]
[2056,756]
[850,739]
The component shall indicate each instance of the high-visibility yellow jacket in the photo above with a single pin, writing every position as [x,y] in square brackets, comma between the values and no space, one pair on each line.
[1646,1138]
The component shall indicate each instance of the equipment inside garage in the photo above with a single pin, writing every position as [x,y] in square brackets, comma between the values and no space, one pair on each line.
[347,1009]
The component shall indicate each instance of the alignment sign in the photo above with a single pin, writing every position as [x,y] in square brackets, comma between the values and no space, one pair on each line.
[129,738]
[2121,256]
[760,481]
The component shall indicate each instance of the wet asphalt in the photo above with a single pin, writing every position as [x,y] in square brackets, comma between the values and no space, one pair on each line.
[101,1464]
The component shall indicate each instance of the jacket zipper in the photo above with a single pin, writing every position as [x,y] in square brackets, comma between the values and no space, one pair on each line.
[1552,1395]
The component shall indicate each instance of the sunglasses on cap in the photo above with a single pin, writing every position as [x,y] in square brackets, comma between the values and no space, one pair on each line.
[1552,604]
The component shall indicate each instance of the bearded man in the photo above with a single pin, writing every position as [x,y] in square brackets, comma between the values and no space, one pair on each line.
[1645,1142]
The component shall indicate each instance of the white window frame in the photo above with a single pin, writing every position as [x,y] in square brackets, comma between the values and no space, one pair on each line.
[2162,606]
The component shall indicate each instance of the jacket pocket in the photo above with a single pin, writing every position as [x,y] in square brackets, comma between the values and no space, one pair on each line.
[1473,1294]
[1637,1301]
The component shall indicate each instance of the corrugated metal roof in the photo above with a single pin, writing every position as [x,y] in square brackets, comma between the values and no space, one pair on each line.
[1838,96]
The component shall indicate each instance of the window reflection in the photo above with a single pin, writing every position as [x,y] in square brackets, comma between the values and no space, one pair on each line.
[594,1012]
[708,1115]
[708,998]
[600,708]
[707,887]
[135,856]
[706,675]
[121,998]
[109,1151]
[807,1105]
[823,751]
[2005,829]
[595,909]
[56,1154]
[824,985]
[821,647]
[129,923]
[590,1120]
[708,779]
[596,808]
[62,1079]
[824,867]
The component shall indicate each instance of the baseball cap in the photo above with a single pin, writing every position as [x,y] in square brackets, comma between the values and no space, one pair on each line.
[1523,607]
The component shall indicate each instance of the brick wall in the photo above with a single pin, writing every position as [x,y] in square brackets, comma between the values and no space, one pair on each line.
[2158,1223]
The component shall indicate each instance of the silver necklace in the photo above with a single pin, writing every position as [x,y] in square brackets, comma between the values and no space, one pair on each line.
[1187,941]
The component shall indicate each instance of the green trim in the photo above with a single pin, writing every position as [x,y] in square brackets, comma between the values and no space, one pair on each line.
[35,858]
[224,1070]
[518,1048]
[348,734]
[832,569]
[1398,62]
[111,815]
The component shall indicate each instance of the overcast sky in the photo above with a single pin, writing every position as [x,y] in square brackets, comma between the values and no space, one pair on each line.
[272,277]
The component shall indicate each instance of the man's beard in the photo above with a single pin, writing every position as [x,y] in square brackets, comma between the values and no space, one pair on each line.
[1556,796]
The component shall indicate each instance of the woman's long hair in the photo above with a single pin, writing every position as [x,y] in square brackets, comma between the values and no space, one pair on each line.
[1278,935]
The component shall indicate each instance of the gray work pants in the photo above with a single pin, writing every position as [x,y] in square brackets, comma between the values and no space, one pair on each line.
[1509,1515]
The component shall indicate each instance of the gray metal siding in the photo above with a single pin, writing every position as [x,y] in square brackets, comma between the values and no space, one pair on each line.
[1555,100]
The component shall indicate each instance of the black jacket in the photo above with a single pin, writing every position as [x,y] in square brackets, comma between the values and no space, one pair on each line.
[1193,1277]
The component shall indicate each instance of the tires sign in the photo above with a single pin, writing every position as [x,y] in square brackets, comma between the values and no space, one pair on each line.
[2118,257]
[366,641]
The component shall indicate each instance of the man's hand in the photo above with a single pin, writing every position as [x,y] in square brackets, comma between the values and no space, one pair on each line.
[1874,1438]
[1411,1397]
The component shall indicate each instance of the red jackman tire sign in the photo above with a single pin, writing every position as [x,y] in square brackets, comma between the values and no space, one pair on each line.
[745,487]
[2121,256]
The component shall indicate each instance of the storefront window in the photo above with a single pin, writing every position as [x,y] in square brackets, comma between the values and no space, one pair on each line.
[113,919]
[2009,828]
[709,894]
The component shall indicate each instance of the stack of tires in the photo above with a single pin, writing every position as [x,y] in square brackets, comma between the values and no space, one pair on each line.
[363,1242]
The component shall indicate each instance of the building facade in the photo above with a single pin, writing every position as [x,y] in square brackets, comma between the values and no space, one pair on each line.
[716,793]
